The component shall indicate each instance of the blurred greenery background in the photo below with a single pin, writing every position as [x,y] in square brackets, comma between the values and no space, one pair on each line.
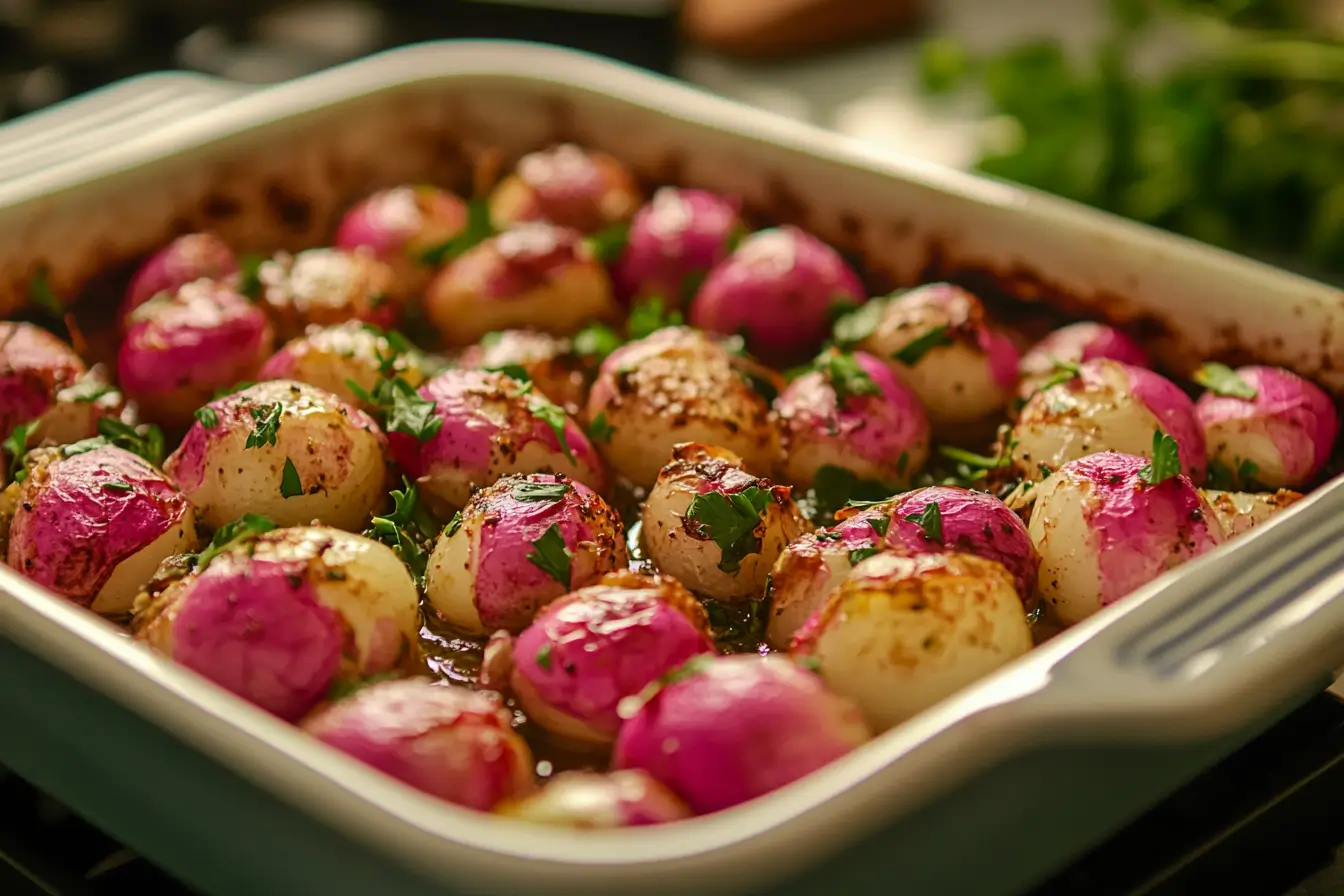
[1237,140]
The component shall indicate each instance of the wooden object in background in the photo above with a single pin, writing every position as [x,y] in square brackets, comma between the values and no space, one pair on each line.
[774,28]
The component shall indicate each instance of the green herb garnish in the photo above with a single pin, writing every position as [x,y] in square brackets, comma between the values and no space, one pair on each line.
[1166,462]
[1223,380]
[290,484]
[880,525]
[550,555]
[88,390]
[527,490]
[1063,372]
[858,555]
[406,412]
[408,529]
[249,275]
[974,461]
[477,229]
[856,326]
[596,341]
[650,316]
[43,296]
[599,430]
[145,441]
[207,417]
[16,446]
[845,376]
[555,418]
[930,519]
[544,657]
[836,487]
[730,521]
[609,245]
[920,346]
[245,528]
[118,485]
[450,528]
[513,371]
[265,425]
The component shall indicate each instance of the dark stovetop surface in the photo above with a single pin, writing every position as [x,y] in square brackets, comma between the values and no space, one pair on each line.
[1263,823]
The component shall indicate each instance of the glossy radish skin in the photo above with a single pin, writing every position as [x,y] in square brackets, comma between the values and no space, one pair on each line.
[332,357]
[1109,406]
[536,275]
[479,576]
[400,224]
[548,360]
[678,385]
[810,568]
[779,289]
[1074,344]
[43,380]
[280,619]
[882,437]
[905,631]
[93,527]
[599,801]
[336,450]
[183,347]
[731,729]
[967,370]
[588,651]
[971,522]
[195,256]
[686,548]
[489,430]
[566,185]
[1287,430]
[1102,531]
[1240,512]
[674,241]
[329,286]
[452,743]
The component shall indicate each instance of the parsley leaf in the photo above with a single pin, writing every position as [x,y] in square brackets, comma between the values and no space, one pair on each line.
[845,376]
[406,412]
[556,419]
[930,520]
[476,230]
[920,346]
[839,307]
[245,528]
[649,316]
[858,555]
[249,275]
[290,484]
[408,529]
[973,460]
[266,424]
[234,389]
[551,556]
[87,390]
[836,487]
[1220,477]
[1064,372]
[544,657]
[513,371]
[1166,461]
[16,446]
[761,385]
[599,430]
[145,441]
[207,417]
[42,295]
[856,326]
[609,245]
[527,490]
[1223,380]
[118,485]
[880,525]
[729,521]
[451,527]
[596,341]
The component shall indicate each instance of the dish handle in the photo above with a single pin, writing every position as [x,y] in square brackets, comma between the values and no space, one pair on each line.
[1231,639]
[82,125]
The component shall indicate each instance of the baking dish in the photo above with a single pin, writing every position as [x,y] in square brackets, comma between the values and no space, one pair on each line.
[1019,771]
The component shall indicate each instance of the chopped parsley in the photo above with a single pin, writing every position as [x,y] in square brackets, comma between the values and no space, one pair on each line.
[810,663]
[514,371]
[145,441]
[207,417]
[245,528]
[16,446]
[550,492]
[290,484]
[88,390]
[450,528]
[234,389]
[839,307]
[880,525]
[406,412]
[118,485]
[920,346]
[730,521]
[596,341]
[845,376]
[249,275]
[761,385]
[550,555]
[555,418]
[858,555]
[930,519]
[477,229]
[1223,478]
[408,529]
[1166,462]
[544,657]
[739,624]
[974,461]
[599,430]
[1063,372]
[1223,380]
[650,316]
[856,326]
[835,487]
[609,245]
[266,425]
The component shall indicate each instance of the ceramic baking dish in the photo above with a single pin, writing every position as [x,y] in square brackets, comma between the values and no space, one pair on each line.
[986,793]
